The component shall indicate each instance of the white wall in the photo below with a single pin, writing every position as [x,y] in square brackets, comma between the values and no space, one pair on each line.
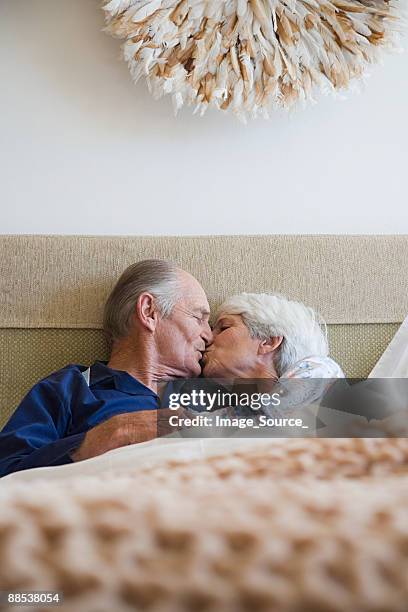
[84,151]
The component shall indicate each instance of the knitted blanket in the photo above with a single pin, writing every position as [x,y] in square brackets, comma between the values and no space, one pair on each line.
[305,525]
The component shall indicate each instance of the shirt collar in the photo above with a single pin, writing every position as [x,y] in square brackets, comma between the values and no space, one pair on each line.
[122,381]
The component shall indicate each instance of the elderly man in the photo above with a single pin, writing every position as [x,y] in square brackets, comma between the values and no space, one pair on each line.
[156,318]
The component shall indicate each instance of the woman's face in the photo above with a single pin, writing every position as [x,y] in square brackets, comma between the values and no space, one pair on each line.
[232,351]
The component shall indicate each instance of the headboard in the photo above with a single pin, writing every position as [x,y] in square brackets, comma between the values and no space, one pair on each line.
[52,291]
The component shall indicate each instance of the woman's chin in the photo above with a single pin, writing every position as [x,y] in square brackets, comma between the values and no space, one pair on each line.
[206,371]
[209,371]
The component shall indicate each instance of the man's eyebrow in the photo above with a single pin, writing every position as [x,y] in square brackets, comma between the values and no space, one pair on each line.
[203,311]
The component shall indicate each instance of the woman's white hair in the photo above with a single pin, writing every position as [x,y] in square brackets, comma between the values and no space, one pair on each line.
[270,315]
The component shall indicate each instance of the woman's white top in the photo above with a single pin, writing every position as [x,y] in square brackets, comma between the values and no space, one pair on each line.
[314,367]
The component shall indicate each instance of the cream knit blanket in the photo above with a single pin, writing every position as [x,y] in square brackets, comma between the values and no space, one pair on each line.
[307,525]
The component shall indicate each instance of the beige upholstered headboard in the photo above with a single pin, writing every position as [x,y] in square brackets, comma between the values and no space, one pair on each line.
[52,290]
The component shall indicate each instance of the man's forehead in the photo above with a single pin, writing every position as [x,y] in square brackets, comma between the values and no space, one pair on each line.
[196,304]
[192,290]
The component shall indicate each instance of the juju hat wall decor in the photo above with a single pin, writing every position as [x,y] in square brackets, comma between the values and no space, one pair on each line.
[250,55]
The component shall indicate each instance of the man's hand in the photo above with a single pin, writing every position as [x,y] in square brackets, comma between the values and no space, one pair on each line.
[122,430]
[119,430]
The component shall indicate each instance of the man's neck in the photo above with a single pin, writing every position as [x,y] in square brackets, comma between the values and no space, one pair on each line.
[139,363]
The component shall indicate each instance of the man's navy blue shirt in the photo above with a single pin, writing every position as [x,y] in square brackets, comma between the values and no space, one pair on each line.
[53,418]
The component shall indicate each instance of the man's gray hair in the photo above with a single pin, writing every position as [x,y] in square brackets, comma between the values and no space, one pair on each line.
[156,276]
[270,315]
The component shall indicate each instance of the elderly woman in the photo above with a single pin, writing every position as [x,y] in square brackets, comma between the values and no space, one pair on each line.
[270,338]
[257,335]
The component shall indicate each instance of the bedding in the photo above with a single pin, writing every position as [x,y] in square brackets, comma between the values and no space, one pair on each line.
[228,525]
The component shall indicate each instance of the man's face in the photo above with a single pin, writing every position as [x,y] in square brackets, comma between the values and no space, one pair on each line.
[182,337]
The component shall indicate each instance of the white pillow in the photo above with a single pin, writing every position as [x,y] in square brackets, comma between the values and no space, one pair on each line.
[394,361]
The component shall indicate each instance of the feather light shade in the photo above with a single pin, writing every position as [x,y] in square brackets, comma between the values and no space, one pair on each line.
[250,55]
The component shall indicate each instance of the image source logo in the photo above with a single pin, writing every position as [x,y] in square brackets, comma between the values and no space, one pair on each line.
[307,407]
[222,399]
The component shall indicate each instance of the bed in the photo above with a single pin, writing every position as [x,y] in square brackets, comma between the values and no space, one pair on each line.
[237,525]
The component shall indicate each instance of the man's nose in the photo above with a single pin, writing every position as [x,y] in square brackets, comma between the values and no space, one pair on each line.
[207,334]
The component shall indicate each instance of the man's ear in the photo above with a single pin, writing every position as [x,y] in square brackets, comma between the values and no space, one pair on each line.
[270,345]
[146,311]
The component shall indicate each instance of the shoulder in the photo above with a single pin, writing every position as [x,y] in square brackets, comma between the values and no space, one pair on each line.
[72,370]
[54,393]
[314,367]
[70,374]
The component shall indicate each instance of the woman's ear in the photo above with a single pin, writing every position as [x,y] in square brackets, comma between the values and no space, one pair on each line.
[146,311]
[270,345]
